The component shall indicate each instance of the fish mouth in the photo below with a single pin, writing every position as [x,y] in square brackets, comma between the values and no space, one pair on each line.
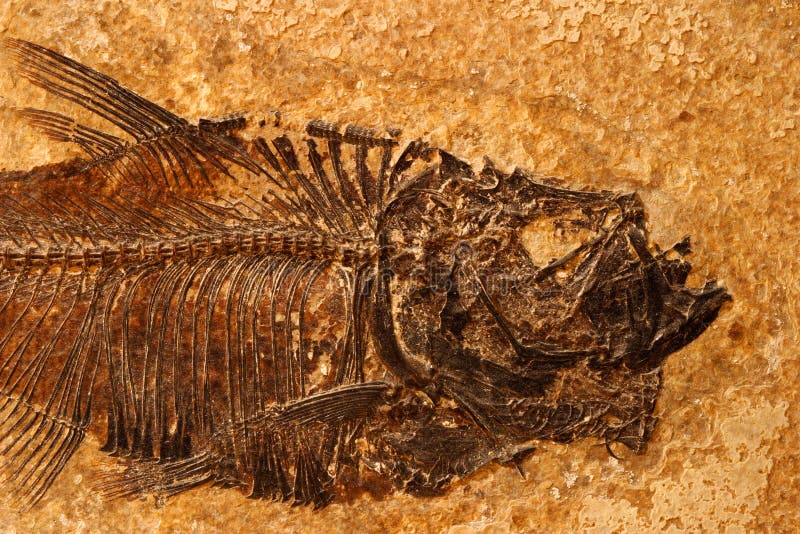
[699,311]
[681,313]
[649,313]
[625,300]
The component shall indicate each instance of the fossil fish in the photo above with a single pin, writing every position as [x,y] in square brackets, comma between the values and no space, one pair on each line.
[290,316]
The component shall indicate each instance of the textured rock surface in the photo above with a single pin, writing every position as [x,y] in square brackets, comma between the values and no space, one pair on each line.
[693,104]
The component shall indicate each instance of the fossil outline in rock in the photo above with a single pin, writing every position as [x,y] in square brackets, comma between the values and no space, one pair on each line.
[272,314]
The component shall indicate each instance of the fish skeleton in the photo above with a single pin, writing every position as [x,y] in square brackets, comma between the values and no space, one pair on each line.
[289,316]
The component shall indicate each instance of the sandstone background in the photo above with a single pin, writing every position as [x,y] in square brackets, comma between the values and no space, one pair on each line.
[695,104]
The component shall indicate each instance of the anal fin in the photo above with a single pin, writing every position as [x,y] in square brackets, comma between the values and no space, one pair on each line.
[34,447]
[161,479]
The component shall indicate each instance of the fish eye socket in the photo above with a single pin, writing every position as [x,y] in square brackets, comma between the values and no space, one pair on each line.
[549,238]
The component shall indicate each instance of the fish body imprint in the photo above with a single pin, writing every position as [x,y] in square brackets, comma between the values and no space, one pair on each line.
[286,315]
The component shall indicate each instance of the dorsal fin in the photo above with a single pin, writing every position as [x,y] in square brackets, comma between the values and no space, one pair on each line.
[167,151]
[93,90]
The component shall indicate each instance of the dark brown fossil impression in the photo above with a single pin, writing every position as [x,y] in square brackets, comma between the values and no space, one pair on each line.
[285,316]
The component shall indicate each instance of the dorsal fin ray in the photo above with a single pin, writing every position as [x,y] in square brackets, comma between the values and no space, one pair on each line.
[65,129]
[93,90]
[166,148]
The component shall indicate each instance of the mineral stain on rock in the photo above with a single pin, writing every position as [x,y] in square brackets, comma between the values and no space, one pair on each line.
[300,316]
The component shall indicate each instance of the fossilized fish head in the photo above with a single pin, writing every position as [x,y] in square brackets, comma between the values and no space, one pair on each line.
[511,295]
